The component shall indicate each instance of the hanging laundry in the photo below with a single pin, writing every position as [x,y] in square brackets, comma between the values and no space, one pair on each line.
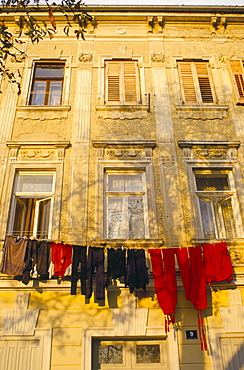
[116,265]
[184,267]
[217,262]
[137,274]
[13,256]
[163,269]
[79,258]
[41,255]
[198,291]
[61,258]
[95,262]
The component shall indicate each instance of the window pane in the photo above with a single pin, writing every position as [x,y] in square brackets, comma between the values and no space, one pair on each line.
[116,182]
[148,353]
[55,93]
[110,354]
[229,220]
[43,218]
[212,183]
[115,220]
[38,93]
[136,217]
[207,219]
[49,71]
[35,183]
[133,183]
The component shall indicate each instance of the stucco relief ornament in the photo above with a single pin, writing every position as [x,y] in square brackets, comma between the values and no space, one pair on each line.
[85,57]
[124,154]
[206,153]
[157,57]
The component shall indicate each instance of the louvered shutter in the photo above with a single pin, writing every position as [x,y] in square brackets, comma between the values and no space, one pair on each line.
[204,82]
[189,92]
[113,81]
[122,82]
[130,82]
[237,71]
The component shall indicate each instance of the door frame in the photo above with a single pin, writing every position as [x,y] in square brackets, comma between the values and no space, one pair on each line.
[156,332]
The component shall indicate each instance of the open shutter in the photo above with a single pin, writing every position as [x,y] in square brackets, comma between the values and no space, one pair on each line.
[189,92]
[238,73]
[113,81]
[130,83]
[204,82]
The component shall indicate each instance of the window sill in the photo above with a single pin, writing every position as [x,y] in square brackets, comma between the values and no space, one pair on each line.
[128,243]
[37,112]
[122,111]
[202,112]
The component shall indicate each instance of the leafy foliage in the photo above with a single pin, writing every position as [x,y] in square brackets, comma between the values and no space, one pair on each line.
[74,13]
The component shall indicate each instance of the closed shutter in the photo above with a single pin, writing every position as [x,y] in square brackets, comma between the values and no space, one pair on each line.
[113,81]
[189,91]
[237,71]
[130,83]
[195,81]
[122,82]
[204,82]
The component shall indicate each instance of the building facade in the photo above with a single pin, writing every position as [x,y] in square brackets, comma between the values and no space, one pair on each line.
[132,138]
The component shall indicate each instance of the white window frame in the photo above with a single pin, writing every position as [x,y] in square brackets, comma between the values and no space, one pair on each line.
[221,195]
[125,196]
[199,101]
[44,196]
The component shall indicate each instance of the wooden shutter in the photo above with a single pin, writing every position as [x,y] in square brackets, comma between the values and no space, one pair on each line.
[188,86]
[204,82]
[237,71]
[130,82]
[122,82]
[113,81]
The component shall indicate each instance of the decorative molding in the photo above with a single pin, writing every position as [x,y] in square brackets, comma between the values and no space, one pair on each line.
[21,320]
[18,58]
[129,320]
[237,255]
[42,113]
[202,112]
[124,154]
[85,57]
[210,153]
[233,316]
[209,150]
[218,24]
[122,112]
[157,57]
[36,155]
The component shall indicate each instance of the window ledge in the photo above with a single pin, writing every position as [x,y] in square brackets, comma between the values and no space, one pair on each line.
[202,112]
[43,112]
[122,111]
[128,242]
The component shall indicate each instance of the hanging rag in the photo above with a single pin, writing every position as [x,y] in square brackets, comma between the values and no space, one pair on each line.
[95,263]
[61,258]
[14,252]
[137,274]
[79,258]
[116,265]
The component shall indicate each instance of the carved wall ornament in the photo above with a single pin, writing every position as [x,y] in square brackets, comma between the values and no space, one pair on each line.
[18,58]
[85,57]
[222,58]
[237,255]
[210,153]
[36,154]
[218,24]
[155,24]
[124,154]
[157,57]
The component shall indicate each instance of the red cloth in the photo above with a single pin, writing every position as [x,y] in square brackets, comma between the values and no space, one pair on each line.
[198,291]
[184,267]
[217,262]
[163,269]
[61,257]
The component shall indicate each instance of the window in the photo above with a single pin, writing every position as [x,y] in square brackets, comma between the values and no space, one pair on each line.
[196,84]
[238,79]
[32,204]
[47,84]
[127,354]
[218,206]
[122,82]
[126,205]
